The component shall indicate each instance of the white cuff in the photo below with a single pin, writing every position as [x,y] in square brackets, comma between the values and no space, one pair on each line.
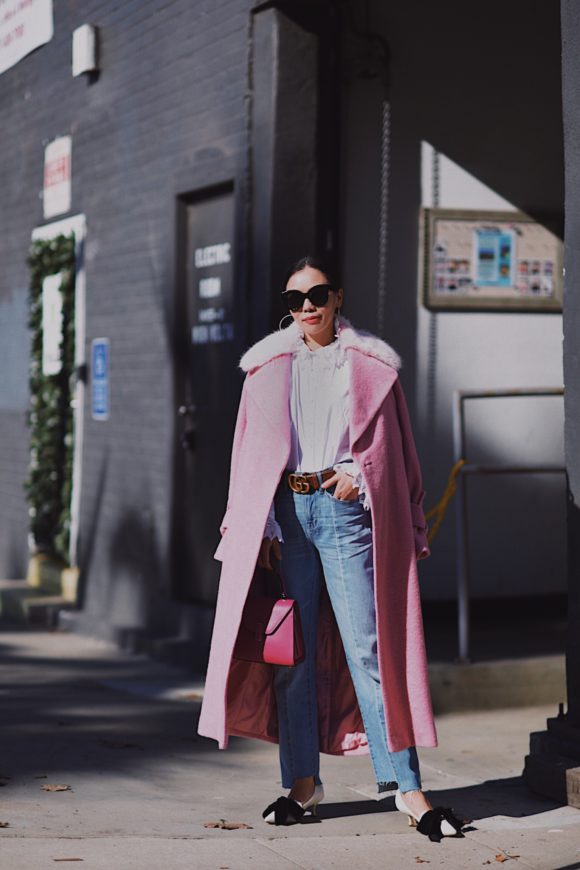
[272,528]
[352,469]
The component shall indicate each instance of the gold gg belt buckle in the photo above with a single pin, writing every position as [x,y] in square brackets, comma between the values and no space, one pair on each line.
[298,483]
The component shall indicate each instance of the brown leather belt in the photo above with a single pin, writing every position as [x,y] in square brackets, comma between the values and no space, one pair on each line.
[306,483]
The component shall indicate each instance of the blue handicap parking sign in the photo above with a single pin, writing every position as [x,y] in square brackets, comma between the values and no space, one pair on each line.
[100,379]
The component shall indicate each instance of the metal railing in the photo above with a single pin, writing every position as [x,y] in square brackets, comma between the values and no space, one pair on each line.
[459,446]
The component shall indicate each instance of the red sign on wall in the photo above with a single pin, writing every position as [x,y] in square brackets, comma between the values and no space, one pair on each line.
[57,177]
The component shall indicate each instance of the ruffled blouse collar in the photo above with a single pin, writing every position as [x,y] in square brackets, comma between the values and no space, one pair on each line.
[329,355]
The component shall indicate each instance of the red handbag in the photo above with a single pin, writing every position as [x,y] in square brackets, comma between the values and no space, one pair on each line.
[270,630]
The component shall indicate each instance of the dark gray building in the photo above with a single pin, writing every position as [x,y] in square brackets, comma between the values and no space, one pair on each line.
[216,143]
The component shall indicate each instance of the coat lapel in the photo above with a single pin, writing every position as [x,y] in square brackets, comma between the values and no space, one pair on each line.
[269,388]
[370,382]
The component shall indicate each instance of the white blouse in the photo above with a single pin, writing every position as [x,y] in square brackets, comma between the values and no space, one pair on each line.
[319,411]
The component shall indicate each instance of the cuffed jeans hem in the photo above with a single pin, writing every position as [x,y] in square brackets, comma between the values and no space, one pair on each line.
[387,786]
[287,784]
[404,765]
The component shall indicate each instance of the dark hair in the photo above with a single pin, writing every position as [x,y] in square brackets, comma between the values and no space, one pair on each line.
[322,262]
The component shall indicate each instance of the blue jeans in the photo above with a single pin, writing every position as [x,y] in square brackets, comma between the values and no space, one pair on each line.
[325,536]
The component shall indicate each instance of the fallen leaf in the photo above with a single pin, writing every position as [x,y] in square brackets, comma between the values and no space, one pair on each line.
[50,786]
[4,824]
[227,826]
[419,860]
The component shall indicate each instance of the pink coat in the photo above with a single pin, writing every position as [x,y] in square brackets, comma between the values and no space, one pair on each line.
[239,697]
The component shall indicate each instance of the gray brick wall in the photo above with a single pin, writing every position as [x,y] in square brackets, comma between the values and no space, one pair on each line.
[165,116]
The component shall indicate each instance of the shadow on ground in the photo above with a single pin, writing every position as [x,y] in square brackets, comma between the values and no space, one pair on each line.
[59,718]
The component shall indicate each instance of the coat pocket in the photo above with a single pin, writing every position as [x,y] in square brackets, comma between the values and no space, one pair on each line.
[422,550]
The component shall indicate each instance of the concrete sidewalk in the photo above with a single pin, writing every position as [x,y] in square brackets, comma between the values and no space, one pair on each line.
[119,730]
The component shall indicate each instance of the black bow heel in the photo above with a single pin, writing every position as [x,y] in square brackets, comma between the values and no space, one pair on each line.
[287,811]
[433,824]
[436,823]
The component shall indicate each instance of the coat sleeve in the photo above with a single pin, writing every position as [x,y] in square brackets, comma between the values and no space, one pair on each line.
[414,476]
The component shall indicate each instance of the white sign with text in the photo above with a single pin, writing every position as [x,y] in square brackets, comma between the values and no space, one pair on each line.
[24,25]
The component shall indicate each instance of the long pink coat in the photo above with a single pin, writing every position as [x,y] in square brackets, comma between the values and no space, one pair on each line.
[239,696]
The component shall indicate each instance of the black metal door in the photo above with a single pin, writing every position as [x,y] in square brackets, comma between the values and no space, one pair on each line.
[208,388]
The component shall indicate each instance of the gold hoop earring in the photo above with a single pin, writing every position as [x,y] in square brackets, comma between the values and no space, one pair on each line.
[284,318]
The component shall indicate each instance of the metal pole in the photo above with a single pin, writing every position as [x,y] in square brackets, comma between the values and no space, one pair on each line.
[463,573]
[461,532]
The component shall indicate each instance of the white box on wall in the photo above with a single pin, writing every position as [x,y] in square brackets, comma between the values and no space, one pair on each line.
[84,50]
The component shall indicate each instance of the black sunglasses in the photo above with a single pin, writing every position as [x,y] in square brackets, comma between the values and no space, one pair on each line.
[318,295]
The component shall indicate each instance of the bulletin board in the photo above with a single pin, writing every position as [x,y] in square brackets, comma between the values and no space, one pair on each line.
[489,260]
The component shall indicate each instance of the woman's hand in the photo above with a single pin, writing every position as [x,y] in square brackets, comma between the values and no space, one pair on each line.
[269,545]
[346,488]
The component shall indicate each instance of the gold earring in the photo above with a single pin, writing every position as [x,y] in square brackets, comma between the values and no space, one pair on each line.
[284,318]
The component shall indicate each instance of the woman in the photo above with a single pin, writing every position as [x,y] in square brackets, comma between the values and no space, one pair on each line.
[325,477]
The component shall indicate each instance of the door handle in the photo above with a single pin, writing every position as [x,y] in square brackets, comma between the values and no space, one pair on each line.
[187,436]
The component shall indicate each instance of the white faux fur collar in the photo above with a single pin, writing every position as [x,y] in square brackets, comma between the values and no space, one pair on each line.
[283,341]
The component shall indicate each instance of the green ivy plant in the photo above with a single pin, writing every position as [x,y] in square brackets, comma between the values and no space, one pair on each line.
[50,417]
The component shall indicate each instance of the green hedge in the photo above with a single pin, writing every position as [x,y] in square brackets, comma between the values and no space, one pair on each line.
[50,416]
